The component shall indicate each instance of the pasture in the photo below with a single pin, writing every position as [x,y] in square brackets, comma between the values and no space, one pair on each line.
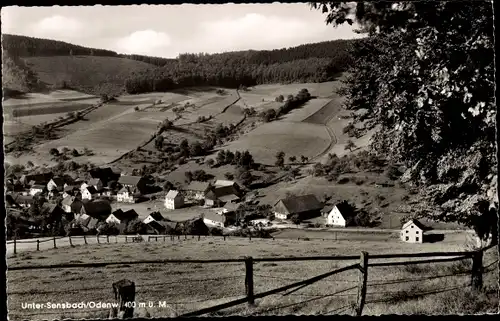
[191,286]
[295,139]
[308,110]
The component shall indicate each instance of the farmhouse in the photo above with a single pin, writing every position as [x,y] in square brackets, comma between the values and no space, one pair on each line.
[105,175]
[119,217]
[56,184]
[39,179]
[71,204]
[35,189]
[136,182]
[96,183]
[155,216]
[214,219]
[89,193]
[305,206]
[413,231]
[55,212]
[128,195]
[231,207]
[196,190]
[173,200]
[96,209]
[340,215]
[221,195]
[153,227]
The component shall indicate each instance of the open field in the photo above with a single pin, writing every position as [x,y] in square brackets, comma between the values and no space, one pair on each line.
[293,138]
[188,287]
[46,108]
[308,110]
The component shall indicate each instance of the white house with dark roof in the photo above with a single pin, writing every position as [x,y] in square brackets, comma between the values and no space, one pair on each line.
[155,216]
[174,199]
[340,215]
[127,195]
[196,190]
[119,217]
[89,193]
[56,184]
[136,182]
[413,231]
[214,219]
[35,189]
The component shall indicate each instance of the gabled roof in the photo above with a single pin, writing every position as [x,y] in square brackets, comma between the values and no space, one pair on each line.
[222,182]
[197,186]
[327,209]
[417,223]
[90,222]
[229,198]
[214,217]
[345,209]
[38,178]
[59,181]
[36,186]
[157,216]
[51,208]
[97,209]
[156,226]
[128,215]
[172,194]
[94,181]
[129,180]
[91,189]
[299,204]
[231,207]
[221,191]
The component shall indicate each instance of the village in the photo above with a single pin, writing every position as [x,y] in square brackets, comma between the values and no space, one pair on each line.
[110,203]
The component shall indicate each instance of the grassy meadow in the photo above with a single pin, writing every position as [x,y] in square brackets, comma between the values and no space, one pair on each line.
[428,289]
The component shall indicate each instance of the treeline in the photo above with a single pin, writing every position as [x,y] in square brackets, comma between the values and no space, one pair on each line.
[232,71]
[22,46]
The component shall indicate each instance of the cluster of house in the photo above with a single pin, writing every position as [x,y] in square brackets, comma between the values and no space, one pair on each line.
[221,199]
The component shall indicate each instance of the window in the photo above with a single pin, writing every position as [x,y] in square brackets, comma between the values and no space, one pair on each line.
[412,226]
[416,239]
[407,238]
[406,231]
[416,232]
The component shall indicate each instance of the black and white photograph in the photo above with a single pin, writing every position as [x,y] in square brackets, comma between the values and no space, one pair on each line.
[250,159]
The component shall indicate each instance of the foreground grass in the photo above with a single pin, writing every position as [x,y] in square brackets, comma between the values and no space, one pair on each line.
[188,287]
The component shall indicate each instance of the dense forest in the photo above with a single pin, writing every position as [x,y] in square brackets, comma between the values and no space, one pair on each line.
[316,62]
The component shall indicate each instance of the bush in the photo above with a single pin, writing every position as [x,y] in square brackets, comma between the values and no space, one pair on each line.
[54,152]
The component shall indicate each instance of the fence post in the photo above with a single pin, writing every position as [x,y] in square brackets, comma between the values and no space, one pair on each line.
[70,243]
[107,238]
[116,238]
[224,237]
[178,237]
[124,291]
[477,270]
[363,277]
[185,237]
[15,243]
[37,245]
[55,243]
[249,280]
[198,237]
[85,238]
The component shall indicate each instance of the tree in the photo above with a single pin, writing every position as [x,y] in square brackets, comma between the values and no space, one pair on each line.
[196,149]
[159,142]
[189,176]
[184,148]
[425,75]
[295,218]
[221,157]
[280,98]
[228,176]
[292,159]
[75,153]
[210,162]
[167,186]
[280,159]
[304,159]
[54,152]
[350,145]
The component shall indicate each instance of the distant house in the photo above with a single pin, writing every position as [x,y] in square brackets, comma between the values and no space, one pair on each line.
[89,193]
[105,175]
[96,183]
[173,200]
[35,189]
[196,190]
[56,184]
[39,179]
[155,216]
[120,217]
[217,196]
[214,219]
[136,182]
[231,207]
[305,206]
[326,210]
[128,195]
[71,204]
[19,200]
[96,209]
[70,190]
[54,212]
[340,215]
[413,231]
[153,227]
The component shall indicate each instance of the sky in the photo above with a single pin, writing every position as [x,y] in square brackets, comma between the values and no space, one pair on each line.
[169,30]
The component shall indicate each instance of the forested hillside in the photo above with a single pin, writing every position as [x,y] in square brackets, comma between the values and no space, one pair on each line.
[17,78]
[306,63]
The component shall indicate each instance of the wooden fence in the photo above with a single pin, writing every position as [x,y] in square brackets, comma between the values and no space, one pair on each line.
[363,264]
